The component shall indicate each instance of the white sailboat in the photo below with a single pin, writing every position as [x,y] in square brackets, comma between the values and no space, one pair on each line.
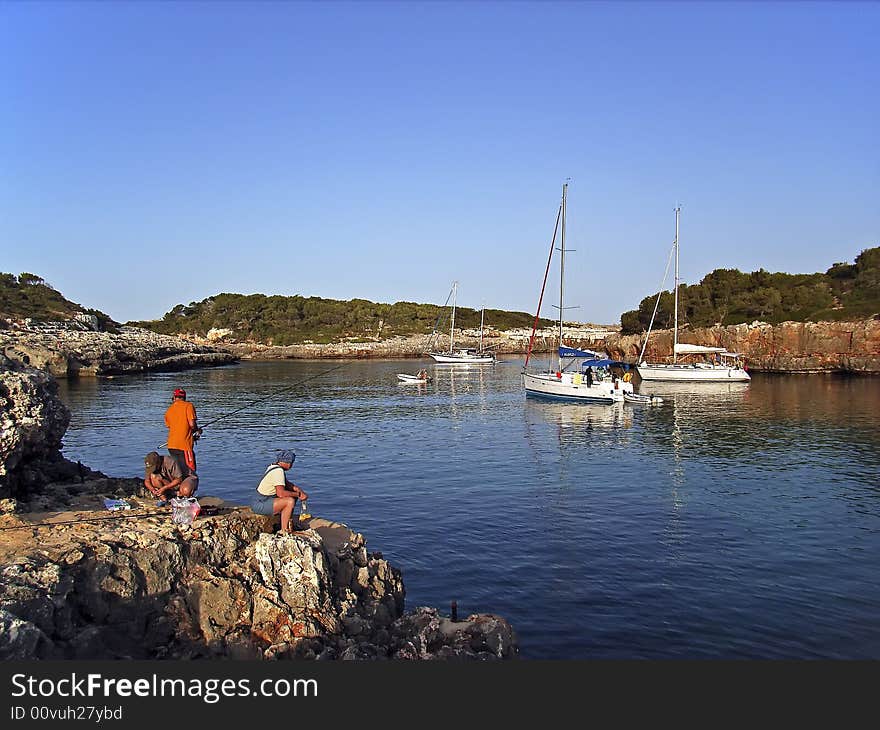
[466,356]
[559,384]
[715,364]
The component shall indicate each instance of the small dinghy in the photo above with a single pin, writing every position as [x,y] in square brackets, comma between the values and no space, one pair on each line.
[404,378]
[639,398]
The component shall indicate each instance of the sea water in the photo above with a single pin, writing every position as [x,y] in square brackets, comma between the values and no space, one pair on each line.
[731,521]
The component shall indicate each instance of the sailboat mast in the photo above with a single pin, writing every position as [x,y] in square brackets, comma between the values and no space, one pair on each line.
[562,270]
[452,327]
[675,336]
[482,316]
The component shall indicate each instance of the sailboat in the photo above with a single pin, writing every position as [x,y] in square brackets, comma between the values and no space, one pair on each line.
[560,384]
[708,364]
[467,356]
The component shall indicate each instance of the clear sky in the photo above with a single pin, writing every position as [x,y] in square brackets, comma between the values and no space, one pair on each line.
[161,152]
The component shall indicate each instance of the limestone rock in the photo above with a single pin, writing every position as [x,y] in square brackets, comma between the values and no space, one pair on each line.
[800,347]
[132,349]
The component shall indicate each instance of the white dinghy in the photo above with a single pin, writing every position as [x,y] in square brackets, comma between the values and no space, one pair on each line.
[404,378]
[652,400]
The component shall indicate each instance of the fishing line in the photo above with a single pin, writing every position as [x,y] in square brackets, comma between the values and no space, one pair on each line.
[271,395]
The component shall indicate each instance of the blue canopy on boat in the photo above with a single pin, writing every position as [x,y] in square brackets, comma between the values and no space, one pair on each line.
[605,363]
[572,352]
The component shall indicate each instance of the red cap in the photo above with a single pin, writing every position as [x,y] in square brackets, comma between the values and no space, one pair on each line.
[179,393]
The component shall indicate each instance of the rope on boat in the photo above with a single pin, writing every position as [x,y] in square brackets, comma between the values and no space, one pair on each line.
[433,334]
[656,303]
[543,286]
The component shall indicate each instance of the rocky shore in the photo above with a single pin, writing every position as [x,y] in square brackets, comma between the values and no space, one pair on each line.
[77,581]
[393,347]
[789,347]
[67,352]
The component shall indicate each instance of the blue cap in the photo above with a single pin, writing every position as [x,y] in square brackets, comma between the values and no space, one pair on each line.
[287,456]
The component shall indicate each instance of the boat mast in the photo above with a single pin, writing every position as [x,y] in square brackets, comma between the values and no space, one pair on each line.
[482,315]
[562,270]
[675,336]
[452,328]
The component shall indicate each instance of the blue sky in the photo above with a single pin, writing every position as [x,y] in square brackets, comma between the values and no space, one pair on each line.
[157,153]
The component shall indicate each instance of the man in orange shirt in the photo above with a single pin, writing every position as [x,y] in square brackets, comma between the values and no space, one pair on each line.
[183,430]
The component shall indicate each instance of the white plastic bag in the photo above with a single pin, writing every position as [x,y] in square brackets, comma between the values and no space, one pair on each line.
[184,510]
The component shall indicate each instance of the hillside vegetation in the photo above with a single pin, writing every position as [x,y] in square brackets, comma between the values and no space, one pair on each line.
[285,320]
[728,296]
[28,295]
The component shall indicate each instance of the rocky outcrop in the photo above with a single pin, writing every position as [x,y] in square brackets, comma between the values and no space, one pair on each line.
[791,347]
[32,423]
[71,352]
[508,342]
[136,585]
[77,581]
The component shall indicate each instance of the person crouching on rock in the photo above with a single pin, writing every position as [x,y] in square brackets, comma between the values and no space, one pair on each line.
[164,478]
[275,494]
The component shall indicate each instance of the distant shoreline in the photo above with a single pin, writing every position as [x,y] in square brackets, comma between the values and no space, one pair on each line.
[789,347]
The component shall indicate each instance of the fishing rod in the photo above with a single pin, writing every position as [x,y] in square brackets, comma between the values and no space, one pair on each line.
[264,398]
[108,518]
[35,525]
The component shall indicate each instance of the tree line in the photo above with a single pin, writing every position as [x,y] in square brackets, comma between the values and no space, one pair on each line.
[29,295]
[729,296]
[285,320]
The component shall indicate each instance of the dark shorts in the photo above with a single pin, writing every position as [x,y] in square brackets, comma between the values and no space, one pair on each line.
[263,505]
[186,459]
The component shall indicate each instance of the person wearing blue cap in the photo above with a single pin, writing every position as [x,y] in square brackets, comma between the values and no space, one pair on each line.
[275,494]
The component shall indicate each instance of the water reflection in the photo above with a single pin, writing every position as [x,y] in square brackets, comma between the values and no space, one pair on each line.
[731,520]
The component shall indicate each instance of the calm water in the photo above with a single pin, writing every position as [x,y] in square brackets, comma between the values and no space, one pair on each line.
[733,521]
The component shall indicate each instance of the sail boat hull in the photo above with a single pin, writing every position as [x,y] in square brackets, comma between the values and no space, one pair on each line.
[572,388]
[464,358]
[721,367]
[699,373]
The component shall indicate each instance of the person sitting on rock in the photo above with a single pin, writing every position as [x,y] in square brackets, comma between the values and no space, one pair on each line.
[275,494]
[164,478]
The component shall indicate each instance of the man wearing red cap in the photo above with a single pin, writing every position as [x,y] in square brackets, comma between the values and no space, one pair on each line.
[183,430]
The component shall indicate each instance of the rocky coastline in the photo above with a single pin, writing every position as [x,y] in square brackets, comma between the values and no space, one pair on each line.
[502,343]
[789,347]
[66,352]
[79,582]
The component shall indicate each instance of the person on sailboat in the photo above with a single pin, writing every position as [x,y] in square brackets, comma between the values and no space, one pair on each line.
[422,374]
[589,376]
[277,495]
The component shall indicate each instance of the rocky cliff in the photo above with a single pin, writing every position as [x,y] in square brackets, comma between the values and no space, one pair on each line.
[67,352]
[799,347]
[33,421]
[77,581]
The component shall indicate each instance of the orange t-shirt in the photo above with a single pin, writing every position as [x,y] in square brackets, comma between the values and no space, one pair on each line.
[180,417]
